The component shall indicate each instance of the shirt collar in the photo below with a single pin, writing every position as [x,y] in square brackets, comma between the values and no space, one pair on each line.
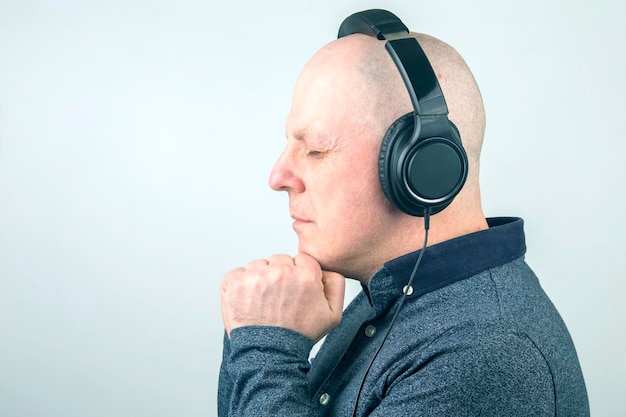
[460,258]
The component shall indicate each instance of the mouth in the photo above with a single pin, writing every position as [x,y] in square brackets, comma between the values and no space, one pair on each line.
[299,221]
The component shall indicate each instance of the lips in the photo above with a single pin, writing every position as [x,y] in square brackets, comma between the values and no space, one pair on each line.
[299,220]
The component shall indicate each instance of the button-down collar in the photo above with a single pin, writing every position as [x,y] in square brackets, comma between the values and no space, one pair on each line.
[450,261]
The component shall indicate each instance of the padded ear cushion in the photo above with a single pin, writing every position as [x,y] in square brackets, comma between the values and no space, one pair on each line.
[455,133]
[397,134]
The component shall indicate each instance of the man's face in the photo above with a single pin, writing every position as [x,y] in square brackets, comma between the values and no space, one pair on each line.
[329,169]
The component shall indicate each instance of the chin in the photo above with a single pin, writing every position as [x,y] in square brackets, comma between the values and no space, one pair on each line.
[326,263]
[312,250]
[325,257]
[309,249]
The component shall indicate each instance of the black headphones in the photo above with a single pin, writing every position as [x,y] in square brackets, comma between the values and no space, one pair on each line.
[422,165]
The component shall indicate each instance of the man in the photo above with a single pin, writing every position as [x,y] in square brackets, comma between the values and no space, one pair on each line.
[474,336]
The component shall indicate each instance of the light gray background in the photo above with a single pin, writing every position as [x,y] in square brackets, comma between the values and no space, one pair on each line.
[135,142]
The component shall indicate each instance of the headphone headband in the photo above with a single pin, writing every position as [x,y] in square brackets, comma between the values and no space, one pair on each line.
[376,22]
[407,54]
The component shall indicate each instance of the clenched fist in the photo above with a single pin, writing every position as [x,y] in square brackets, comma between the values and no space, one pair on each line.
[294,293]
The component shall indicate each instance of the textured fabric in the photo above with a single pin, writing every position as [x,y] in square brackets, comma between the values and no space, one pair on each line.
[477,337]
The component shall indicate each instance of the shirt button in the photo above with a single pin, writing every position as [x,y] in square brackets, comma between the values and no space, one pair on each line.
[324,398]
[370,331]
[408,290]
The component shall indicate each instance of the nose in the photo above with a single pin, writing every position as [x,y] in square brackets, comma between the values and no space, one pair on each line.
[284,175]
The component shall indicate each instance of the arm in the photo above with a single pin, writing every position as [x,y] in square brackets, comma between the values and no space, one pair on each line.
[273,311]
[264,373]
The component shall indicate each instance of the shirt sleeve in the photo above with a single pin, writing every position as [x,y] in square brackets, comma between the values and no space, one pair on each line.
[263,373]
[225,383]
[477,373]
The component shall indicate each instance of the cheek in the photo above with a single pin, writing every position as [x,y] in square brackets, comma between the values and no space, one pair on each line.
[351,190]
[362,207]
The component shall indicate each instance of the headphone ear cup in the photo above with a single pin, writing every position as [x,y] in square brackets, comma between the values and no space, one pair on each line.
[419,174]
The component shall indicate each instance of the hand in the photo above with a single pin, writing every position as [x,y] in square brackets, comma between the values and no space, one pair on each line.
[282,291]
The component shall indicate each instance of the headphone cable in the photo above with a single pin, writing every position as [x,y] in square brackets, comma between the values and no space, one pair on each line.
[405,292]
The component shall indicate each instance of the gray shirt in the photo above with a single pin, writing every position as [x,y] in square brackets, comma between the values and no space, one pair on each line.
[476,337]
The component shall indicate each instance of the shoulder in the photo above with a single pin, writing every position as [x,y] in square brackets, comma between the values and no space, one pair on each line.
[490,369]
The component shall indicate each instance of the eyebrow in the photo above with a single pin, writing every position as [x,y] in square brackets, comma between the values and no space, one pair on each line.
[301,134]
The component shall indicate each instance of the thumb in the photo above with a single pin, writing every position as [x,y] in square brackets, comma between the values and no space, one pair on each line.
[334,290]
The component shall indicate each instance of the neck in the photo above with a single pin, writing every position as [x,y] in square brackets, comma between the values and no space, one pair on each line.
[408,235]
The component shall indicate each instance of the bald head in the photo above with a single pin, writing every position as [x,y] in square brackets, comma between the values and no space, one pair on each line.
[352,89]
[375,90]
[377,87]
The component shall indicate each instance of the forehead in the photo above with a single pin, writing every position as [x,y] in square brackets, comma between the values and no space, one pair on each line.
[326,97]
